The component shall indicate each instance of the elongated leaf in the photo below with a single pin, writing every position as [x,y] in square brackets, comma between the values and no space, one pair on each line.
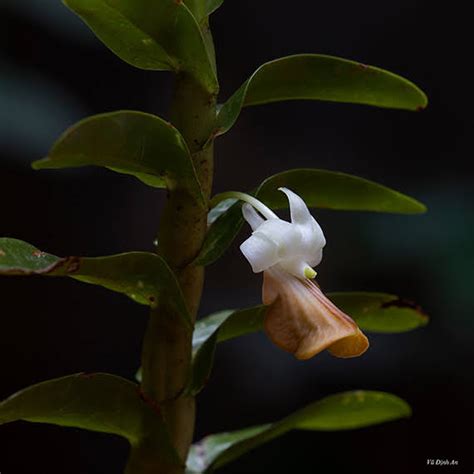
[213,5]
[220,234]
[380,312]
[215,328]
[319,188]
[373,312]
[335,190]
[160,35]
[344,411]
[96,402]
[144,277]
[129,142]
[201,9]
[20,258]
[320,77]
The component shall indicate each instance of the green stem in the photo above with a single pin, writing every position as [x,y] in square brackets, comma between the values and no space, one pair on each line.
[166,356]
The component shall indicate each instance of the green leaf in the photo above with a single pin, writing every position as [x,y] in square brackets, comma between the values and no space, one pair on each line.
[129,142]
[96,402]
[350,410]
[201,9]
[319,188]
[320,77]
[216,328]
[220,234]
[380,312]
[213,5]
[142,276]
[344,411]
[160,35]
[373,312]
[334,190]
[21,258]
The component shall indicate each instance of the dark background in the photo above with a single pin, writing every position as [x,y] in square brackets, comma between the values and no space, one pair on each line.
[54,72]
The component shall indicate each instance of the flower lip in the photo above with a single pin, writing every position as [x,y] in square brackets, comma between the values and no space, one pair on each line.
[301,320]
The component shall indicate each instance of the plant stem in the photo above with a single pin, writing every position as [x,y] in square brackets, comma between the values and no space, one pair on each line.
[166,357]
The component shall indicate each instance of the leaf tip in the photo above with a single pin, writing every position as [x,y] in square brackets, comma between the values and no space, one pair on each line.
[40,164]
[403,303]
[406,410]
[423,102]
[422,207]
[403,409]
[416,207]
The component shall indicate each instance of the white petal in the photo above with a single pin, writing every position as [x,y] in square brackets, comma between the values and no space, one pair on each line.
[313,233]
[315,258]
[252,216]
[285,236]
[298,209]
[312,237]
[261,252]
[313,242]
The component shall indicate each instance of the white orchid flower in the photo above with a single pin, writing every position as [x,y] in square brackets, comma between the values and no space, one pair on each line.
[300,319]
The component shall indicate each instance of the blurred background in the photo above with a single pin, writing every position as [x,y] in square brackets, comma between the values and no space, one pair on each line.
[53,72]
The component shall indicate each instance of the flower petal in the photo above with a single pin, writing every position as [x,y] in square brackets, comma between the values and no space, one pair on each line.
[285,236]
[302,321]
[252,216]
[299,211]
[316,257]
[260,251]
[312,237]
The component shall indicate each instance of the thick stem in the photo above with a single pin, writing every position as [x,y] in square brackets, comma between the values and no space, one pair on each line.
[166,357]
[150,457]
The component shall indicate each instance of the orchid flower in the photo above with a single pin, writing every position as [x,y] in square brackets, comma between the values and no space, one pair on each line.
[300,319]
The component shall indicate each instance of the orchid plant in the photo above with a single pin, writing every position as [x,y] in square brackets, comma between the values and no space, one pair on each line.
[156,412]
